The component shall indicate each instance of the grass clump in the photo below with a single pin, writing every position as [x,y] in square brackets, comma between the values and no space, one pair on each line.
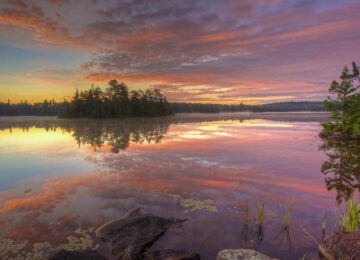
[350,218]
[286,214]
[324,221]
[260,218]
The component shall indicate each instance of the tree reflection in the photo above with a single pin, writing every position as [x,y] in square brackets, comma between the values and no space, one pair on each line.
[342,167]
[118,136]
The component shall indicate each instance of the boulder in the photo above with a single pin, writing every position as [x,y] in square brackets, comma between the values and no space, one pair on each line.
[341,245]
[241,254]
[129,236]
[77,255]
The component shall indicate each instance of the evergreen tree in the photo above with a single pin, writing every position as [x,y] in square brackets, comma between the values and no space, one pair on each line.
[344,105]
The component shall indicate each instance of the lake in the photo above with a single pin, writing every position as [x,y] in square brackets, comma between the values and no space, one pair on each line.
[60,179]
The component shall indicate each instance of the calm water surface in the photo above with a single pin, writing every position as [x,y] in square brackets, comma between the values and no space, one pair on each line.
[59,176]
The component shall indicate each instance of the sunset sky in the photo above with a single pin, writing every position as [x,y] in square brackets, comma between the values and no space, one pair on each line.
[227,51]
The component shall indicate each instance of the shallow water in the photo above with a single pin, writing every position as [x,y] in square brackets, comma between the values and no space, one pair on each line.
[58,176]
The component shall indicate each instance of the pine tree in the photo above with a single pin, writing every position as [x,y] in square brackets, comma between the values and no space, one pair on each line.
[345,105]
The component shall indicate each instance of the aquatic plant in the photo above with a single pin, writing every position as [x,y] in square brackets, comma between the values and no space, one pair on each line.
[302,258]
[324,221]
[11,247]
[192,204]
[335,221]
[246,214]
[260,217]
[350,218]
[80,241]
[308,235]
[21,250]
[245,228]
[286,214]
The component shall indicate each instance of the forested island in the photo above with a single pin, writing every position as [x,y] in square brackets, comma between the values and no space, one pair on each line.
[118,101]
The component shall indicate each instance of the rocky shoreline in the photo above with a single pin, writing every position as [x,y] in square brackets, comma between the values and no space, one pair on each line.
[132,236]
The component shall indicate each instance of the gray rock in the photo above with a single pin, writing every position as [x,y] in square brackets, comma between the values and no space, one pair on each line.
[77,255]
[129,236]
[241,254]
[341,245]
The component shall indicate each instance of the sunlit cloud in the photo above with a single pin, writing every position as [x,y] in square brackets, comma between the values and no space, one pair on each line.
[208,51]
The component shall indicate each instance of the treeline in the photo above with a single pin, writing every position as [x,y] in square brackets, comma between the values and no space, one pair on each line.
[273,107]
[116,101]
[46,108]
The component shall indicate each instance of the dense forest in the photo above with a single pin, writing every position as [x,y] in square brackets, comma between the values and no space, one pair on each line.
[118,101]
[46,108]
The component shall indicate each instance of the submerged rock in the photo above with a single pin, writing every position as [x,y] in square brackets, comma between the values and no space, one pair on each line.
[129,236]
[341,245]
[241,254]
[172,255]
[77,255]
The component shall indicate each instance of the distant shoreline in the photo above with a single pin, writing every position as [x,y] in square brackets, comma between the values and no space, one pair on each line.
[177,118]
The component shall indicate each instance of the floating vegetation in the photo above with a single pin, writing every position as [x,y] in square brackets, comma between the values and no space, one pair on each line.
[14,250]
[10,247]
[260,217]
[81,242]
[192,204]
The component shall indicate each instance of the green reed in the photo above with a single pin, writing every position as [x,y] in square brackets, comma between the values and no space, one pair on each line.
[260,214]
[350,218]
[286,215]
[324,221]
[260,218]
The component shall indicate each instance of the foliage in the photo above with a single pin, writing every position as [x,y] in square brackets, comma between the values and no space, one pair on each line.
[115,101]
[344,104]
